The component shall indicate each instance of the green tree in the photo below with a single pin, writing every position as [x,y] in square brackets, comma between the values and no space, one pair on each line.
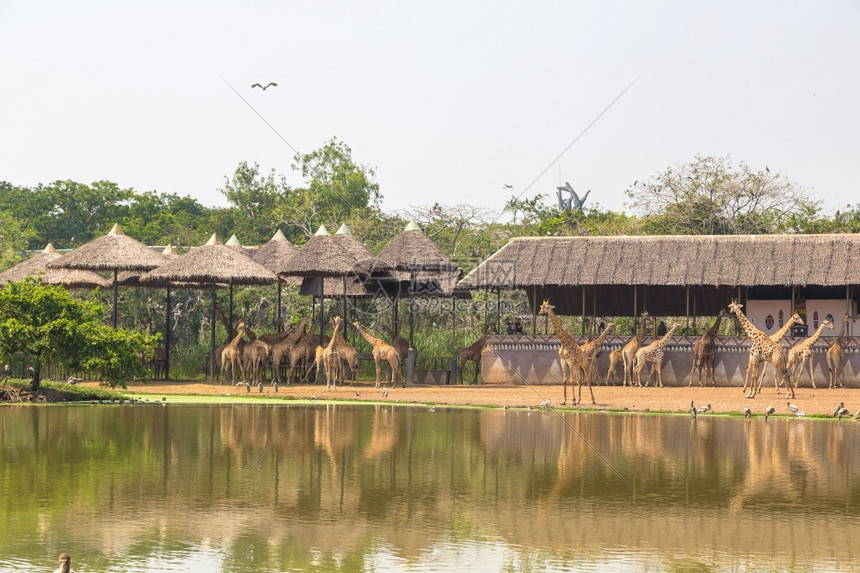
[43,320]
[14,237]
[335,187]
[712,196]
[255,199]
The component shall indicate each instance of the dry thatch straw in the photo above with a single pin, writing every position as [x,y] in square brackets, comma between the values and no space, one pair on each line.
[37,266]
[717,261]
[213,263]
[112,252]
[274,254]
[412,250]
[321,256]
[355,287]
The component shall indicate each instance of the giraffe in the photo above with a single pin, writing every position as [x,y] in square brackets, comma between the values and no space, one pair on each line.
[614,358]
[705,351]
[397,341]
[652,353]
[801,353]
[346,354]
[331,358]
[382,351]
[572,355]
[255,355]
[592,349]
[836,357]
[233,353]
[283,348]
[762,348]
[304,351]
[628,351]
[776,337]
[472,353]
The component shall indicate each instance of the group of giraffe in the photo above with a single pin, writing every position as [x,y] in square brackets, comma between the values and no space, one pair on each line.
[578,362]
[304,350]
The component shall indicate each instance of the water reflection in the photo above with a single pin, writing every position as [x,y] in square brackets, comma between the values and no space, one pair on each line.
[351,488]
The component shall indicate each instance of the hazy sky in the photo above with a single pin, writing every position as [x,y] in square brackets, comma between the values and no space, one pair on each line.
[449,101]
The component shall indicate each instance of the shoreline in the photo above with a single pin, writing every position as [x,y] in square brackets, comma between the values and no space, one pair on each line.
[614,399]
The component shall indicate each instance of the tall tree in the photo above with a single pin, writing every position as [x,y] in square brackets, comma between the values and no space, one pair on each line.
[712,196]
[335,186]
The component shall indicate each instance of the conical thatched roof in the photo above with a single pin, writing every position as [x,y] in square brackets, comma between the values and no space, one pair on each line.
[114,251]
[412,250]
[132,278]
[211,263]
[352,245]
[38,265]
[274,254]
[321,256]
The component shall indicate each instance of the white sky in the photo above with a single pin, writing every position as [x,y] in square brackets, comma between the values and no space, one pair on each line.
[448,101]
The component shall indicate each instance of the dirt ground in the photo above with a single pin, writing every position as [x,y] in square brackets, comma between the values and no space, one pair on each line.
[821,401]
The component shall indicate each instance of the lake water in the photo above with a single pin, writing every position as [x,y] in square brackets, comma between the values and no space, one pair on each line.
[392,488]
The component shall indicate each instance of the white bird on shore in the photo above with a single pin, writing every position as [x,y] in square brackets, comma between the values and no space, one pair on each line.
[704,409]
[839,408]
[385,392]
[544,404]
[794,409]
[770,410]
[843,412]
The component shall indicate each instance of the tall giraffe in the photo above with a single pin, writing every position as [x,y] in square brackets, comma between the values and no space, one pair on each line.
[801,353]
[472,353]
[763,348]
[331,358]
[592,349]
[382,351]
[233,353]
[570,353]
[652,353]
[836,357]
[705,351]
[776,337]
[282,348]
[628,351]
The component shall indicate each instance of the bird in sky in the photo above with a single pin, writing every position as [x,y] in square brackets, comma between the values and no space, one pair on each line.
[766,168]
[264,87]
[508,186]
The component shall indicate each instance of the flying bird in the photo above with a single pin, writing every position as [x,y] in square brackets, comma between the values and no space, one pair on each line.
[508,186]
[265,87]
[766,168]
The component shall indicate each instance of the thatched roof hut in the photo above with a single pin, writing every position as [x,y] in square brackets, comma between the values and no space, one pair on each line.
[413,256]
[37,265]
[213,263]
[664,266]
[115,251]
[321,256]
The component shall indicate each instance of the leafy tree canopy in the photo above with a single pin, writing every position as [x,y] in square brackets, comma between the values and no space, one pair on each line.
[41,320]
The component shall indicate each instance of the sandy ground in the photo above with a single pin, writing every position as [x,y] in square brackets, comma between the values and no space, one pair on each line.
[722,400]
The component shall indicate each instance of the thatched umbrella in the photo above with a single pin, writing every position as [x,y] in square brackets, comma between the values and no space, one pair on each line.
[37,265]
[355,285]
[213,264]
[413,256]
[273,255]
[320,257]
[113,252]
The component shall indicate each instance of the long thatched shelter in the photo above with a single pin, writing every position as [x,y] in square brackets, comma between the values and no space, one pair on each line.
[618,276]
[212,264]
[112,252]
[37,266]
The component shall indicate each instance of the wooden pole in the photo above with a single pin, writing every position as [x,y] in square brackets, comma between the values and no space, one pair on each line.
[167,336]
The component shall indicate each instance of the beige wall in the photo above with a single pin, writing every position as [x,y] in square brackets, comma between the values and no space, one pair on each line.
[534,360]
